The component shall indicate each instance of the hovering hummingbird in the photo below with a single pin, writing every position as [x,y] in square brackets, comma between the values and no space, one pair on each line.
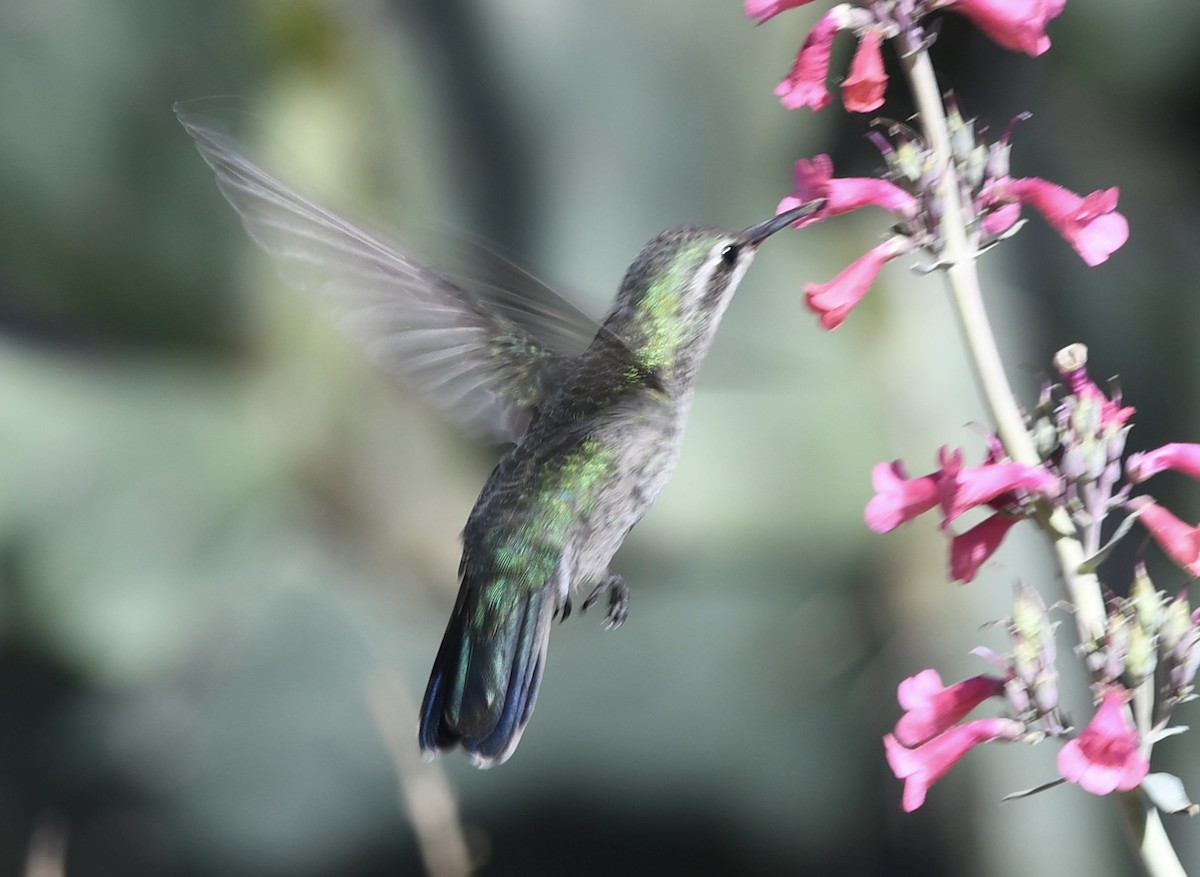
[595,433]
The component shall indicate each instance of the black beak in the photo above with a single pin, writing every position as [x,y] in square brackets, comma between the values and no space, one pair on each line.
[760,231]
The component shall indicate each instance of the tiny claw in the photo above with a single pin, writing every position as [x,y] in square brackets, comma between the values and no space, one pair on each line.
[564,611]
[618,600]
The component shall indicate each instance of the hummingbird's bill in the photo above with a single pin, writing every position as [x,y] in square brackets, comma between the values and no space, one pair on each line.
[759,232]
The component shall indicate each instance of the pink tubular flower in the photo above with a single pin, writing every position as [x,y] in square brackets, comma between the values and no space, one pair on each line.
[965,488]
[1105,756]
[763,10]
[931,708]
[1180,541]
[923,766]
[864,88]
[969,550]
[1180,456]
[898,499]
[834,300]
[814,179]
[1015,24]
[1090,224]
[805,84]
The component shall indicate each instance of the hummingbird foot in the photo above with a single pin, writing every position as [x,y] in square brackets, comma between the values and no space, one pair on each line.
[618,600]
[564,611]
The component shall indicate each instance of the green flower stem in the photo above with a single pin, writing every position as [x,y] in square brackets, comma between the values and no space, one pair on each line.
[959,253]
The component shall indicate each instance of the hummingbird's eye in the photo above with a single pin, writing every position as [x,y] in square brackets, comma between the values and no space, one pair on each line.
[729,255]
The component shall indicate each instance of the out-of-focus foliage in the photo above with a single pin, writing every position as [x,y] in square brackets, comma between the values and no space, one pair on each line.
[219,529]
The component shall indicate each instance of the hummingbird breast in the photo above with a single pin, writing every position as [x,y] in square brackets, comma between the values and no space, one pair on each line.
[566,498]
[643,448]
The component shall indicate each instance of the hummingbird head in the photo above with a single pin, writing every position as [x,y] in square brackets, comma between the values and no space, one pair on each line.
[678,287]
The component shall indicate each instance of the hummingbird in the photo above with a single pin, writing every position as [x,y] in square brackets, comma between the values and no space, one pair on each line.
[594,414]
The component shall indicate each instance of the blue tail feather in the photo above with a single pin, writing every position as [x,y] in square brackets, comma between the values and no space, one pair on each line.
[485,679]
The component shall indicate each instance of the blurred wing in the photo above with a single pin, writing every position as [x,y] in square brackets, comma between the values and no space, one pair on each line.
[484,357]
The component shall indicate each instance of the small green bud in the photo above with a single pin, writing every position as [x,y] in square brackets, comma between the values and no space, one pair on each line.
[1025,662]
[1045,436]
[1176,623]
[1147,603]
[1085,417]
[909,161]
[1029,614]
[1141,657]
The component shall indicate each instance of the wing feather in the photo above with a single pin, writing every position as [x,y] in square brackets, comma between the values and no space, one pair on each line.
[480,360]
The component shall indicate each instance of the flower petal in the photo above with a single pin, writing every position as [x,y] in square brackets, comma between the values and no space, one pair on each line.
[898,499]
[1090,223]
[763,10]
[924,765]
[834,300]
[1105,757]
[1179,456]
[1015,24]
[931,708]
[969,550]
[804,86]
[971,486]
[863,90]
[1178,540]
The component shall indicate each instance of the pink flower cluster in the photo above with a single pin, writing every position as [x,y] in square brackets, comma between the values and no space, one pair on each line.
[928,740]
[1004,486]
[1106,756]
[1015,24]
[1080,432]
[814,179]
[1090,223]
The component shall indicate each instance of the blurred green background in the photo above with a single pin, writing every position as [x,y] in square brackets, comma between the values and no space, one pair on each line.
[227,547]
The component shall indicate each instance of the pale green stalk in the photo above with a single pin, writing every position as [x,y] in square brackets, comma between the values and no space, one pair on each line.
[958,256]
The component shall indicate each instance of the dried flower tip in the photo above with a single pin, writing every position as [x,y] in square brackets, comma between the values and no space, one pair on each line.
[1071,359]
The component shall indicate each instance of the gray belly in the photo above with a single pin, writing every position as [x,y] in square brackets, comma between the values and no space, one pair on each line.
[646,454]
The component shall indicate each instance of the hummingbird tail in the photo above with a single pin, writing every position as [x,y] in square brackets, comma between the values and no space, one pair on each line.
[486,675]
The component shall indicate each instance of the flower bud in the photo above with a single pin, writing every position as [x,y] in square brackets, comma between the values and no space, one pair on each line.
[1017,696]
[1025,663]
[1029,614]
[1074,463]
[1191,661]
[908,161]
[1141,657]
[1116,641]
[1175,625]
[1116,444]
[1085,417]
[962,134]
[1045,436]
[1071,359]
[975,167]
[1045,691]
[998,163]
[1147,603]
[1095,456]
